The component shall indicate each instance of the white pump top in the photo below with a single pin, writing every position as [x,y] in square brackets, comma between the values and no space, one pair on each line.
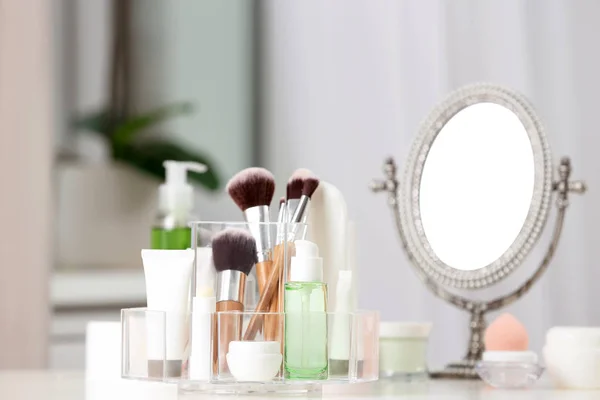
[176,194]
[306,265]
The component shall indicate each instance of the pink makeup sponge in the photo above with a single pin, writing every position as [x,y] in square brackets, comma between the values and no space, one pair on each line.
[506,333]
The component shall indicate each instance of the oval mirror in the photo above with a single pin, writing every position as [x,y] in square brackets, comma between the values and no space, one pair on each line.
[477,187]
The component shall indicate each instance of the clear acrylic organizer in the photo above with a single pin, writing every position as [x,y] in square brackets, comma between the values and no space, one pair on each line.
[352,350]
[349,347]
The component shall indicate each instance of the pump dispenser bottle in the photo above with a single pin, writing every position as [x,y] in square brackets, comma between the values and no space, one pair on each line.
[305,305]
[175,204]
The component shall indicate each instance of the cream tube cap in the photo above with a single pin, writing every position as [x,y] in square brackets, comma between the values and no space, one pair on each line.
[306,265]
[205,303]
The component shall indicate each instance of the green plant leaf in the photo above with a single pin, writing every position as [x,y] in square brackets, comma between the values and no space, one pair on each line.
[126,131]
[149,155]
[98,122]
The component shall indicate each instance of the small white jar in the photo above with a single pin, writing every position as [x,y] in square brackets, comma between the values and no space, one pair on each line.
[403,349]
[572,356]
[254,361]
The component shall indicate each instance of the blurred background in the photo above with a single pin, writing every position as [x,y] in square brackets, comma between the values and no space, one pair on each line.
[94,95]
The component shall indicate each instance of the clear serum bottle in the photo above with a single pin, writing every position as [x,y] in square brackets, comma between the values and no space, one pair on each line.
[305,347]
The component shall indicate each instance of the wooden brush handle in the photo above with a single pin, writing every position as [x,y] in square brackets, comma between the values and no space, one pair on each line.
[263,270]
[271,330]
[229,328]
[215,344]
[270,291]
[278,301]
[274,328]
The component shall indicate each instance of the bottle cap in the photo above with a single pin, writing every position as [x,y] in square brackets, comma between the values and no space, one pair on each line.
[306,265]
[176,194]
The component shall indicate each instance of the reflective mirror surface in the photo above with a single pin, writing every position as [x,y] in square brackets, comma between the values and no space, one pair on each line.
[476,186]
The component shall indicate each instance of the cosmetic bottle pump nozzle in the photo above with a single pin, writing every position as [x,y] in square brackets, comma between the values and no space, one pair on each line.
[176,194]
[306,265]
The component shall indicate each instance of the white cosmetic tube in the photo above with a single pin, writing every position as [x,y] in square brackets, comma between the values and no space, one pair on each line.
[205,271]
[168,276]
[340,341]
[201,358]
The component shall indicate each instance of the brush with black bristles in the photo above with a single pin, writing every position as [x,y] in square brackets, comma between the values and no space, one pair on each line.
[273,289]
[234,255]
[252,190]
[294,190]
[309,186]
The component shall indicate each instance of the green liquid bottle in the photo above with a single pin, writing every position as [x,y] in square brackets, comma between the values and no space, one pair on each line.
[178,238]
[176,201]
[305,302]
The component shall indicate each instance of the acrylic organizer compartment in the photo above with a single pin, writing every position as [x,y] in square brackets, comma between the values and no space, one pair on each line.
[333,348]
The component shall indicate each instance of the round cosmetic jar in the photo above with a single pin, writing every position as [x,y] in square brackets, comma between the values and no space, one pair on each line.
[403,350]
[254,361]
[509,369]
[573,337]
[572,357]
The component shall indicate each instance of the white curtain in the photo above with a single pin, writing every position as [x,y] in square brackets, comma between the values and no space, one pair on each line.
[346,83]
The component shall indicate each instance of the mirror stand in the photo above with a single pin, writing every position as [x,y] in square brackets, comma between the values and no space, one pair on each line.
[465,369]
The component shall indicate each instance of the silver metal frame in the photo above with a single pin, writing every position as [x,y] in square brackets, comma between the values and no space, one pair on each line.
[538,211]
[436,275]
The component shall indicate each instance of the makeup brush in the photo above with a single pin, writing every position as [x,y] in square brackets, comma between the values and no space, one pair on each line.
[311,183]
[252,190]
[234,255]
[273,288]
[294,190]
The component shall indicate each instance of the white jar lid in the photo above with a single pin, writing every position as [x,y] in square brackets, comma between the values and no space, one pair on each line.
[254,347]
[511,356]
[573,337]
[404,329]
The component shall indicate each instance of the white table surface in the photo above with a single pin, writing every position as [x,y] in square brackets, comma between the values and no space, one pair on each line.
[45,385]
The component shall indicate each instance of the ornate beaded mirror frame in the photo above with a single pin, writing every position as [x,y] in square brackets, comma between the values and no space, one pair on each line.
[403,198]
